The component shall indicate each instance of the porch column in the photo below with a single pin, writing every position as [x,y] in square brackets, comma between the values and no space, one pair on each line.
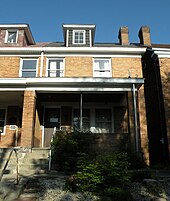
[81,111]
[28,118]
[135,120]
[143,125]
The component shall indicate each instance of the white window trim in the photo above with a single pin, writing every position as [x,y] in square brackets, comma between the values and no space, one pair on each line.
[7,33]
[21,64]
[112,117]
[57,58]
[84,37]
[67,37]
[4,130]
[99,58]
[90,38]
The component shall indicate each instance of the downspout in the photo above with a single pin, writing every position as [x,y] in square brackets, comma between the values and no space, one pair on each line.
[81,111]
[135,120]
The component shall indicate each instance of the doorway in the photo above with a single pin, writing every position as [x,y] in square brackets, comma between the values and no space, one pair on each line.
[51,120]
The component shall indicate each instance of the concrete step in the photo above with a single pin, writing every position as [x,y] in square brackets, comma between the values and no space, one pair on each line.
[30,161]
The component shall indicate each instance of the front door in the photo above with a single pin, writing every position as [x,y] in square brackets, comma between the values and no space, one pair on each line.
[52,119]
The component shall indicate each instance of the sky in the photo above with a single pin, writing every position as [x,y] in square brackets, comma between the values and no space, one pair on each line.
[46,17]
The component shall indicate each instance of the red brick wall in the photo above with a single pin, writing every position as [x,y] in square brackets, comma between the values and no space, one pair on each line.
[78,67]
[165,78]
[143,124]
[28,118]
[74,67]
[9,67]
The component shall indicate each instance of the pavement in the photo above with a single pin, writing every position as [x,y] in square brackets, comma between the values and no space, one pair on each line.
[28,187]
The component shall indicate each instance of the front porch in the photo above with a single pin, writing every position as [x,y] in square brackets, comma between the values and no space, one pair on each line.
[104,113]
[107,106]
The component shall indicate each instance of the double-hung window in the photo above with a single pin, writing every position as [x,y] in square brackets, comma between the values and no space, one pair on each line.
[102,67]
[28,67]
[2,120]
[79,37]
[103,120]
[11,36]
[55,68]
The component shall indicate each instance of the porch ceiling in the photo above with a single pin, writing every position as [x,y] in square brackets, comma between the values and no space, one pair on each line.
[75,97]
[11,98]
[70,84]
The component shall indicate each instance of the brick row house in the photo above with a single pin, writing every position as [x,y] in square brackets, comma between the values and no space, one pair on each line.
[107,88]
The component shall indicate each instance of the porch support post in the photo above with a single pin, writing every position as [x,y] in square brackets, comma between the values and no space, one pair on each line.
[81,111]
[135,119]
[28,119]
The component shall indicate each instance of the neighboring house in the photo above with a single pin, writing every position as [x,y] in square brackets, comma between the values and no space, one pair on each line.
[80,84]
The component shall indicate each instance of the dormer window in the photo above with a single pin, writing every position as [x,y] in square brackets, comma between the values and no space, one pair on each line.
[11,36]
[79,37]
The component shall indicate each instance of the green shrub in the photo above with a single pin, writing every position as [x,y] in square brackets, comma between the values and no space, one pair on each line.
[68,147]
[114,167]
[103,172]
[89,178]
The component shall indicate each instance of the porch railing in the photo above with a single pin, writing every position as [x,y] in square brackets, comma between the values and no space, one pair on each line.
[6,164]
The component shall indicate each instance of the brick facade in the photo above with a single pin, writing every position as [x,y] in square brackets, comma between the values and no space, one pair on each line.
[79,64]
[28,119]
[78,67]
[165,78]
[9,67]
[125,67]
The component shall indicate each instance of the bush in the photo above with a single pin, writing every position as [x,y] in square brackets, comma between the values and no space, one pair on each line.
[68,147]
[114,167]
[102,173]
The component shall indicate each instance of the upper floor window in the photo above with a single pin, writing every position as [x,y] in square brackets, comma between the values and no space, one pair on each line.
[79,37]
[55,68]
[28,67]
[2,120]
[102,67]
[11,36]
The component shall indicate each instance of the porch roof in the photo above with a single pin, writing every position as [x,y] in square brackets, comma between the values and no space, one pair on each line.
[70,84]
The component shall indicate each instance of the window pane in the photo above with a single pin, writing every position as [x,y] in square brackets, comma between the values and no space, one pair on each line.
[29,74]
[104,127]
[55,68]
[52,73]
[103,120]
[102,64]
[85,118]
[12,37]
[103,115]
[29,64]
[79,37]
[52,65]
[102,68]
